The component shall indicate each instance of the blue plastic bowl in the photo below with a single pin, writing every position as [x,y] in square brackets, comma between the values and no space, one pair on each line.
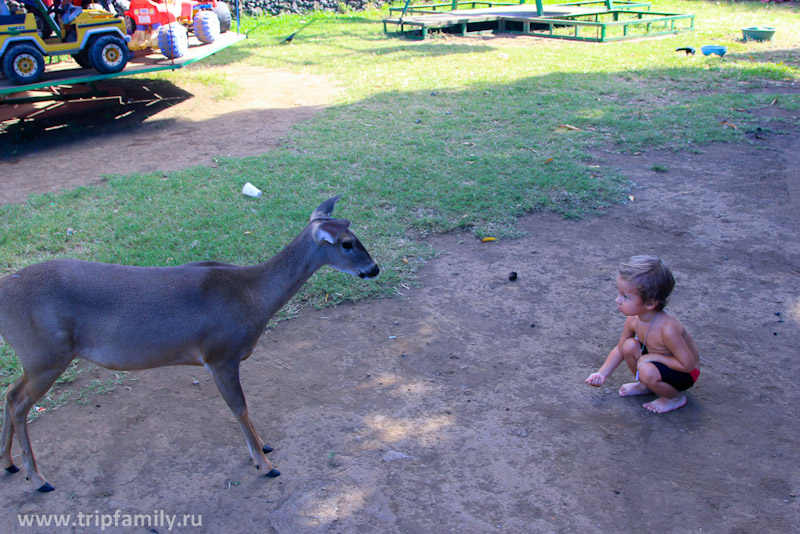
[714,49]
[758,33]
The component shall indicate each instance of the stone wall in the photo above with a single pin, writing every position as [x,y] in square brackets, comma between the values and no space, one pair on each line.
[275,7]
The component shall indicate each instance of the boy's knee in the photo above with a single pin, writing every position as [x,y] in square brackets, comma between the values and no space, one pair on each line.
[648,373]
[630,348]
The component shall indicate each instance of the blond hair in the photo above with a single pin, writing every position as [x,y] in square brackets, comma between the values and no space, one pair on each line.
[651,277]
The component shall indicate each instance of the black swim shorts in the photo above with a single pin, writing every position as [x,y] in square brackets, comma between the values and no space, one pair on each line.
[678,380]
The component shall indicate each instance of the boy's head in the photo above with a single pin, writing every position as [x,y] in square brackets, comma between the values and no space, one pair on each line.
[652,278]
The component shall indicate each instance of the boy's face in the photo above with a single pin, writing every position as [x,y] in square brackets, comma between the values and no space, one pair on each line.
[628,299]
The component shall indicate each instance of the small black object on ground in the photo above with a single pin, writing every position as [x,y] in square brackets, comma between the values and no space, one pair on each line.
[303,27]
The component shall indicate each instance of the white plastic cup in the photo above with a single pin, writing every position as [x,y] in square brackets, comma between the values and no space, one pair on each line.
[251,191]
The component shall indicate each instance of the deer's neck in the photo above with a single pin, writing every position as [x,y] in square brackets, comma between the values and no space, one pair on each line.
[280,277]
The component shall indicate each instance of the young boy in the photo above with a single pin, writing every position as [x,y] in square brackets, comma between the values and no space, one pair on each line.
[655,345]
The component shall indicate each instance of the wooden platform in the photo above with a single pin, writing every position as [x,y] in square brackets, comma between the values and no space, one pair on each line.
[562,21]
[70,73]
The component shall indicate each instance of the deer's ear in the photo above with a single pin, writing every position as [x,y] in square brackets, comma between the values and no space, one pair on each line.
[325,209]
[330,230]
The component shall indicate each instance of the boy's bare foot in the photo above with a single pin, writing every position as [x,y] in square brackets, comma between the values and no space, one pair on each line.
[664,405]
[633,388]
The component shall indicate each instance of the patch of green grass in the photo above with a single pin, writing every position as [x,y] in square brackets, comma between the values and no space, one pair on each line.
[199,74]
[10,371]
[101,387]
[226,89]
[426,136]
[9,367]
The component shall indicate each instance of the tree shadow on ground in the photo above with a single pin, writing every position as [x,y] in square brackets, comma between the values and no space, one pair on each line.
[120,105]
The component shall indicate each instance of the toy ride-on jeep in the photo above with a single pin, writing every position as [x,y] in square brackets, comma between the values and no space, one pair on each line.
[93,37]
[112,6]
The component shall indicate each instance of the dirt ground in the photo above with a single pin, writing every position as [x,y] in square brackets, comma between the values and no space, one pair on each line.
[150,125]
[461,407]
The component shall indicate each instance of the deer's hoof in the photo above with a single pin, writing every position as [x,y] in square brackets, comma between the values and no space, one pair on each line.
[267,449]
[273,473]
[12,469]
[45,488]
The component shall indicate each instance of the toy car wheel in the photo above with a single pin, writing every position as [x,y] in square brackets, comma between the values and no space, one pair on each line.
[42,26]
[82,59]
[130,25]
[206,26]
[121,8]
[23,63]
[109,54]
[223,12]
[173,40]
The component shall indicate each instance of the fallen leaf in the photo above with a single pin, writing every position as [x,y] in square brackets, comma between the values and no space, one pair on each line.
[548,160]
[488,239]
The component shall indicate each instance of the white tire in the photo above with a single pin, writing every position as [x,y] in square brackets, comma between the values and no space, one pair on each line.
[206,26]
[223,12]
[173,40]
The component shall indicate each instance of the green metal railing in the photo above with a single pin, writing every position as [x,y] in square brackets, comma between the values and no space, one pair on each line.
[474,4]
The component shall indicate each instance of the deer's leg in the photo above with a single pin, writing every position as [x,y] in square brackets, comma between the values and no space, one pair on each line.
[226,376]
[7,438]
[20,398]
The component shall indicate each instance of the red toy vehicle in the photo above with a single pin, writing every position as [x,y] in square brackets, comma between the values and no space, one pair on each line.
[162,23]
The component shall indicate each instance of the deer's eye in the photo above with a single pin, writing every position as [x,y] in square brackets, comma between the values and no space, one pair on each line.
[347,245]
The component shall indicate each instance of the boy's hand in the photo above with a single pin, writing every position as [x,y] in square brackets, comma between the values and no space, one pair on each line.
[595,379]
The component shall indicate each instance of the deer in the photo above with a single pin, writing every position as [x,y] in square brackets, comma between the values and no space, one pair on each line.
[131,318]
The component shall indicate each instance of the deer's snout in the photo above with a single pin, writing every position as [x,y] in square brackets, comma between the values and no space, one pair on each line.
[371,273]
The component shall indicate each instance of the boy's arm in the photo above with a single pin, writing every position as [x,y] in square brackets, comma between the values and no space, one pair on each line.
[613,359]
[682,359]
